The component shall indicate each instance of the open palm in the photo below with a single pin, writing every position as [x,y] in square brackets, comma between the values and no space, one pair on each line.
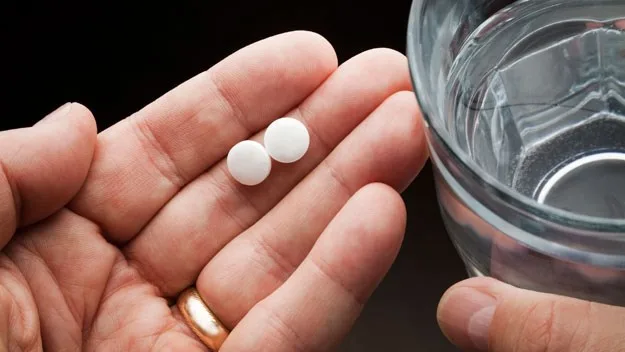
[112,227]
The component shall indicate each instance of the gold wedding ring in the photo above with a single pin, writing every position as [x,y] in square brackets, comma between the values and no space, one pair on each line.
[201,320]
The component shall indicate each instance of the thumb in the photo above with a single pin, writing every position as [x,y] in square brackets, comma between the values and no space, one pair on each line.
[44,166]
[483,314]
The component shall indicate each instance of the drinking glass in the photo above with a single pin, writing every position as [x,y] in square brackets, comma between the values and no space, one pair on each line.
[524,103]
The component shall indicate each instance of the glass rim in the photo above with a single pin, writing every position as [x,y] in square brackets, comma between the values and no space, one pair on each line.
[547,212]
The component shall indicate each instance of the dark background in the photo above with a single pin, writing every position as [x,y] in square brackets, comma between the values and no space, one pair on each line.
[116,58]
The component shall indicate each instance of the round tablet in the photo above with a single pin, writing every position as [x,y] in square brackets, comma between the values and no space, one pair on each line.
[249,163]
[287,140]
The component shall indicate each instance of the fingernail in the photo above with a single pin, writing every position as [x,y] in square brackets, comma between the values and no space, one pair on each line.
[479,326]
[466,315]
[58,113]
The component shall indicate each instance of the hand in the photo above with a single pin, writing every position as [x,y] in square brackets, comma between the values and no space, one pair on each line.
[483,314]
[111,228]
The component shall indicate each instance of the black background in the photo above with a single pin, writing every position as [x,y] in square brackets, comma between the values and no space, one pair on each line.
[116,58]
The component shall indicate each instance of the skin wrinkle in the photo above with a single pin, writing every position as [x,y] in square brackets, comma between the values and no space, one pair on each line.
[33,254]
[283,329]
[118,289]
[262,265]
[120,327]
[281,262]
[14,306]
[80,315]
[138,267]
[235,187]
[89,327]
[546,329]
[130,279]
[324,269]
[147,138]
[336,176]
[316,138]
[32,343]
[229,101]
[78,222]
[587,332]
[222,190]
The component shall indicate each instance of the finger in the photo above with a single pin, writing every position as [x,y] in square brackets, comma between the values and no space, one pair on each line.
[213,209]
[388,148]
[19,323]
[317,305]
[43,167]
[143,161]
[483,314]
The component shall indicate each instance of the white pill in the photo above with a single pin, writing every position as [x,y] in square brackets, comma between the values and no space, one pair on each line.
[287,140]
[249,163]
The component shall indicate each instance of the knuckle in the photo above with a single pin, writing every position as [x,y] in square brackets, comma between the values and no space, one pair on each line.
[159,155]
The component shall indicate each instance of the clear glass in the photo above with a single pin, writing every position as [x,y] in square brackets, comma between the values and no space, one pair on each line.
[525,107]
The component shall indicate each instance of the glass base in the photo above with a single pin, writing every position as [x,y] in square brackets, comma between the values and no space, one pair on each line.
[591,185]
